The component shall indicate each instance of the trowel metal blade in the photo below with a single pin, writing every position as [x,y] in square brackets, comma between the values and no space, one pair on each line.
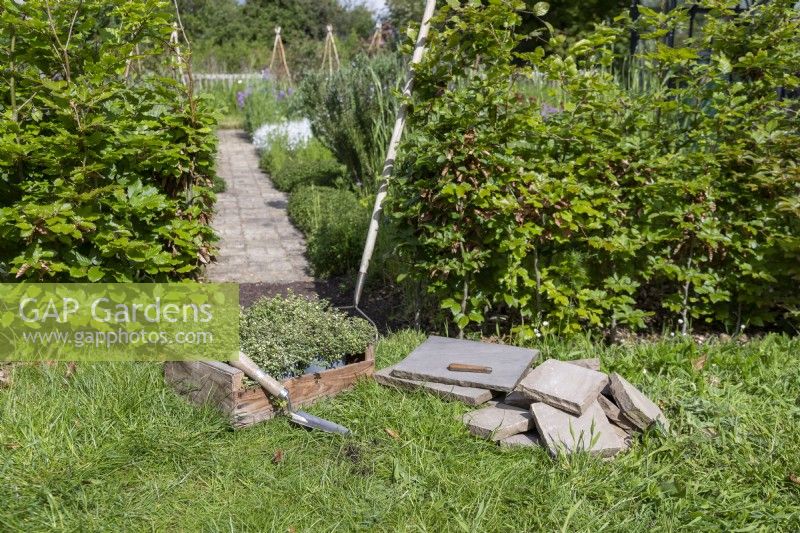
[314,422]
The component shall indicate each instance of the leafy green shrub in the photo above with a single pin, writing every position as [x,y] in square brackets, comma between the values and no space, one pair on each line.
[303,172]
[284,335]
[352,113]
[336,246]
[311,207]
[675,200]
[102,178]
[313,150]
[274,156]
[307,164]
[218,184]
[279,153]
[335,224]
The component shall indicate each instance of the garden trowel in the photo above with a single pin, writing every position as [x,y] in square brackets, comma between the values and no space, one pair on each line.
[275,388]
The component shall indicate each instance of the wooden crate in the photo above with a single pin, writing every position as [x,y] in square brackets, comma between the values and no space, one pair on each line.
[221,385]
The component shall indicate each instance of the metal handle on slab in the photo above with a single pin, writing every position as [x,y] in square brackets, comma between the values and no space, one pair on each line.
[466,367]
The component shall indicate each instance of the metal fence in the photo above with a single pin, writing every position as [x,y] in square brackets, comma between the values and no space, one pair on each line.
[696,13]
[203,80]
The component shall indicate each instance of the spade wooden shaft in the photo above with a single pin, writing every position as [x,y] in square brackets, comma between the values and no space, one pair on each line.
[252,370]
[391,152]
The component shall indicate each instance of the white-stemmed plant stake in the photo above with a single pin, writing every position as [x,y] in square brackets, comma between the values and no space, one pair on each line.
[391,153]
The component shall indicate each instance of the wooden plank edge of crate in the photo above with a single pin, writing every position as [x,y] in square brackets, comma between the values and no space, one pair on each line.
[204,382]
[218,383]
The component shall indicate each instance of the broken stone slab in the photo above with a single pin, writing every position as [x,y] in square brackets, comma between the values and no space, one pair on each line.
[498,421]
[524,440]
[430,360]
[635,406]
[517,399]
[467,395]
[591,364]
[563,385]
[624,435]
[607,391]
[563,432]
[615,415]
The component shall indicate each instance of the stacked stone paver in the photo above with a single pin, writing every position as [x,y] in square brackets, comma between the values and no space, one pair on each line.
[257,241]
[564,406]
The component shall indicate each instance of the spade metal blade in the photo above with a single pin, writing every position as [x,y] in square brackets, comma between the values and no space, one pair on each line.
[314,422]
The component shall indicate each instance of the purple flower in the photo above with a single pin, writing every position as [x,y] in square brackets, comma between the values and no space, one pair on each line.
[241,97]
[266,74]
[289,91]
[548,110]
[281,94]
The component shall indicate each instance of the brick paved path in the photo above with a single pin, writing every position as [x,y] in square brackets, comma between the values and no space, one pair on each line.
[258,243]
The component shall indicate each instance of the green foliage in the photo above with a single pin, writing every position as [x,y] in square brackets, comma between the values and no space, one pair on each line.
[335,248]
[673,200]
[285,335]
[404,13]
[335,224]
[219,184]
[352,113]
[312,207]
[277,154]
[572,17]
[333,219]
[307,172]
[223,99]
[311,151]
[102,178]
[309,163]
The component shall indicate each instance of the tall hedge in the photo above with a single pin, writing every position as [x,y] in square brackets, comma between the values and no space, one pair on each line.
[592,190]
[105,159]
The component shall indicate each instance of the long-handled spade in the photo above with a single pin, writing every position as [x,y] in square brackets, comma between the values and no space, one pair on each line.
[274,387]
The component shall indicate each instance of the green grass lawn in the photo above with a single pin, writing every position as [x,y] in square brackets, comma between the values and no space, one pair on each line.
[112,449]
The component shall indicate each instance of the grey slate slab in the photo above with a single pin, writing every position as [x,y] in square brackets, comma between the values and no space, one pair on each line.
[498,421]
[563,432]
[430,360]
[591,364]
[563,385]
[636,407]
[467,395]
[524,440]
[518,399]
[624,435]
[614,414]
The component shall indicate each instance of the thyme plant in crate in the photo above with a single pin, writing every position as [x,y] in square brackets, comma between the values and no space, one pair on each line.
[287,334]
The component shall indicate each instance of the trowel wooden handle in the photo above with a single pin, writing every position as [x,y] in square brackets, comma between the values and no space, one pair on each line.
[465,367]
[273,386]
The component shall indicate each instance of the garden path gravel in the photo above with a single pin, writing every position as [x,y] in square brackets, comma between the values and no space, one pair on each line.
[257,243]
